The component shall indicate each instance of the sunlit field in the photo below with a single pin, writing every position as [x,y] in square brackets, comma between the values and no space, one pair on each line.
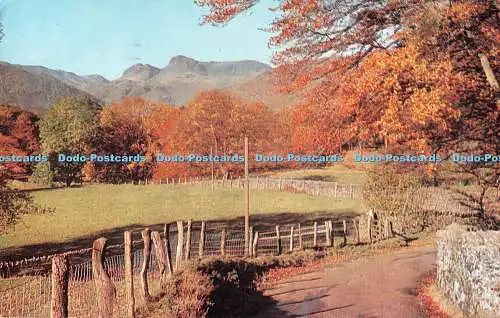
[96,208]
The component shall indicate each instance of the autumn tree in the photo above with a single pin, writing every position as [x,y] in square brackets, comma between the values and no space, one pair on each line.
[328,41]
[322,46]
[69,127]
[168,124]
[127,130]
[217,121]
[18,136]
[468,33]
[312,36]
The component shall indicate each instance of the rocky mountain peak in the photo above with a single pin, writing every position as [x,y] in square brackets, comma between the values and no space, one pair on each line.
[140,72]
[184,64]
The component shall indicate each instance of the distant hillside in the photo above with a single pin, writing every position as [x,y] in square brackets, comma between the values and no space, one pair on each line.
[180,80]
[33,88]
[264,88]
[37,87]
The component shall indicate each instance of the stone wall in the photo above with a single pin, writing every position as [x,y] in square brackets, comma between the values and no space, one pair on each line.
[468,270]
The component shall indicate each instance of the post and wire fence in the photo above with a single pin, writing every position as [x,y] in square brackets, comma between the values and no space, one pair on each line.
[110,280]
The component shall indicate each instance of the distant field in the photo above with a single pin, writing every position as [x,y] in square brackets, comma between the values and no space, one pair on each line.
[348,172]
[96,208]
[336,173]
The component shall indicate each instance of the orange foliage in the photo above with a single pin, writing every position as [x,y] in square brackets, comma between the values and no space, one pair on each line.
[215,122]
[167,124]
[18,136]
[412,89]
[128,129]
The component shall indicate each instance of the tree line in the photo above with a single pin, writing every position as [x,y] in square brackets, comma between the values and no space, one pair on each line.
[213,122]
[405,76]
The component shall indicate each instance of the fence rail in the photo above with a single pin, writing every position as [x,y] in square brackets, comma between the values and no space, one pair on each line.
[312,187]
[28,288]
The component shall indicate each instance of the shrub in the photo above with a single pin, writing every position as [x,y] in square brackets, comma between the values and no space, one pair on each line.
[42,174]
[395,193]
[187,293]
[219,287]
[14,204]
[235,292]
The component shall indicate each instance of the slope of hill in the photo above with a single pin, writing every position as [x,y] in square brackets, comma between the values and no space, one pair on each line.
[37,87]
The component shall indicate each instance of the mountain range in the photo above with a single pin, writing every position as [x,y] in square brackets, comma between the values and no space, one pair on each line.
[37,88]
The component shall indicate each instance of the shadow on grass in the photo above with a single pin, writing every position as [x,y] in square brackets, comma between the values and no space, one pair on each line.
[49,188]
[405,238]
[320,178]
[260,222]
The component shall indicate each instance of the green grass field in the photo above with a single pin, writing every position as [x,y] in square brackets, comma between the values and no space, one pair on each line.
[97,208]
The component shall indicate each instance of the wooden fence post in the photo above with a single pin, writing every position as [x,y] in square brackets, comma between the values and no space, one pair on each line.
[332,236]
[160,257]
[254,246]
[356,230]
[188,239]
[278,240]
[129,275]
[105,289]
[344,224]
[201,242]
[223,242]
[250,240]
[60,278]
[370,229]
[291,239]
[180,244]
[168,252]
[327,234]
[146,252]
[315,235]
[300,237]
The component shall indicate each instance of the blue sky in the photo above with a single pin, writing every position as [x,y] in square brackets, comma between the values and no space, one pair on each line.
[107,36]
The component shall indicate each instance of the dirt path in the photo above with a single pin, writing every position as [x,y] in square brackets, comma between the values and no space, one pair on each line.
[378,286]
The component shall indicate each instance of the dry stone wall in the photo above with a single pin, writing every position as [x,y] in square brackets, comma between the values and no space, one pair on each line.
[468,270]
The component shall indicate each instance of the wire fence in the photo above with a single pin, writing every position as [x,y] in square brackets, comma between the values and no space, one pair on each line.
[26,286]
[438,199]
[312,187]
